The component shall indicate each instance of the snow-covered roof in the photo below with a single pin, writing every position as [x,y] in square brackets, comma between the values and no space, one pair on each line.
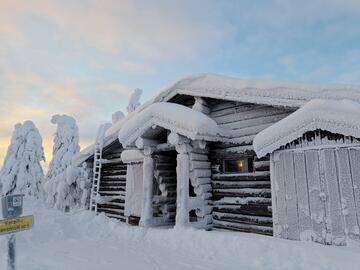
[275,93]
[336,116]
[267,92]
[177,118]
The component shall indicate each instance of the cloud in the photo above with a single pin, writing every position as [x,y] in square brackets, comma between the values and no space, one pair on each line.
[29,96]
[132,27]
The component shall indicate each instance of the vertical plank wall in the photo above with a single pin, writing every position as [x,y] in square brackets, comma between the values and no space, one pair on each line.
[317,194]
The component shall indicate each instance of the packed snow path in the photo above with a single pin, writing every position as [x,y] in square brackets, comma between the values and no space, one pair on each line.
[80,240]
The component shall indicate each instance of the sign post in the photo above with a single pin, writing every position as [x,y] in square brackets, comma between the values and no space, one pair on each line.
[12,208]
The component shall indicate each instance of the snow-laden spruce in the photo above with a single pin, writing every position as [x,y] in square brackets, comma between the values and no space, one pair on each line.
[22,172]
[134,101]
[62,185]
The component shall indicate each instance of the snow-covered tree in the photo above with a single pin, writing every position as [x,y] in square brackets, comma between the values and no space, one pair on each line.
[134,101]
[60,192]
[117,116]
[22,172]
[80,176]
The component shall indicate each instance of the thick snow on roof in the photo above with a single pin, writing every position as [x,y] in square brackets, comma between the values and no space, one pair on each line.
[276,93]
[341,116]
[175,117]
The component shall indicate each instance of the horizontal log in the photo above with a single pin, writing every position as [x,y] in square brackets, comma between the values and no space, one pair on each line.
[113,178]
[115,183]
[111,189]
[246,209]
[218,184]
[232,109]
[165,166]
[200,165]
[114,166]
[132,220]
[242,176]
[116,216]
[243,227]
[112,193]
[118,200]
[119,212]
[200,173]
[232,152]
[248,115]
[197,181]
[245,131]
[198,157]
[111,161]
[113,172]
[245,219]
[110,205]
[255,121]
[219,105]
[241,193]
[261,165]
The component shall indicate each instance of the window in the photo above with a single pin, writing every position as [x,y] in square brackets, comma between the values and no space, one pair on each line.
[242,165]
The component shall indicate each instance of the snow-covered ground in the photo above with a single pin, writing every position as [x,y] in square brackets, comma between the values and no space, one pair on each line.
[81,240]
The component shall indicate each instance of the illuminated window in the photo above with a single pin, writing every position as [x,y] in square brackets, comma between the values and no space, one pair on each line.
[237,165]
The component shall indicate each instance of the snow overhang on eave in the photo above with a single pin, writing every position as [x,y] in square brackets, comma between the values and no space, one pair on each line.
[341,117]
[174,117]
[265,92]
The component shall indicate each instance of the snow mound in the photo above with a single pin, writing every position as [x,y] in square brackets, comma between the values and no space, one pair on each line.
[341,116]
[267,92]
[82,240]
[175,117]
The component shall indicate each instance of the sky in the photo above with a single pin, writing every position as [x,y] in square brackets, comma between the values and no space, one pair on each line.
[83,58]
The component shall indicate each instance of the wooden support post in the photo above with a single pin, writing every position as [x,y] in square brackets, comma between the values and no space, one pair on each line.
[147,208]
[183,176]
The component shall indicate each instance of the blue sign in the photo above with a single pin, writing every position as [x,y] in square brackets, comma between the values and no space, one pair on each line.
[12,205]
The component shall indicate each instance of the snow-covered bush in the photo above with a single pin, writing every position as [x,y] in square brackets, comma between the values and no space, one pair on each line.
[60,191]
[22,172]
[134,101]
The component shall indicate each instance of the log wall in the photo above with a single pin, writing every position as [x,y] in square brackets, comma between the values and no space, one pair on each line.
[113,182]
[242,201]
[164,201]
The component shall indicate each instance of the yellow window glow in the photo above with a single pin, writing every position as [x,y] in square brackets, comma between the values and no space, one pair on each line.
[241,164]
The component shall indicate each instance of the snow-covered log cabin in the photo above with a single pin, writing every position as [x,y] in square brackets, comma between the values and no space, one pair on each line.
[190,156]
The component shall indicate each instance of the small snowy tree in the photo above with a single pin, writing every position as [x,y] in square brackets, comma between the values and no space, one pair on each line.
[134,101]
[117,116]
[60,192]
[22,172]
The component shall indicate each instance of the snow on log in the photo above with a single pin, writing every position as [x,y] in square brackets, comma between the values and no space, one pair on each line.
[173,117]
